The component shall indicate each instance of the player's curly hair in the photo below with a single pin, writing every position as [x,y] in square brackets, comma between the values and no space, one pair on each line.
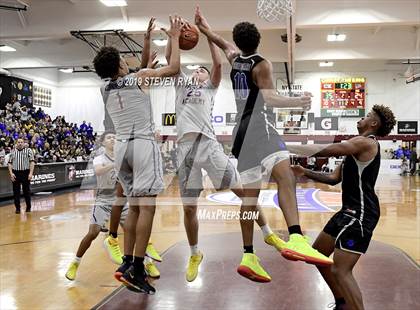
[387,119]
[246,37]
[107,62]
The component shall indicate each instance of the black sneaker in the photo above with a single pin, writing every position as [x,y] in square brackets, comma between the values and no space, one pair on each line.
[123,268]
[28,210]
[137,283]
[17,211]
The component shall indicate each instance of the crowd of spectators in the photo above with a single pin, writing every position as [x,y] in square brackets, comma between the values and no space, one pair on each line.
[50,140]
[399,153]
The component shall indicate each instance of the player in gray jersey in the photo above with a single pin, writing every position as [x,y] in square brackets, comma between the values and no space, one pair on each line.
[199,149]
[137,155]
[105,198]
[111,243]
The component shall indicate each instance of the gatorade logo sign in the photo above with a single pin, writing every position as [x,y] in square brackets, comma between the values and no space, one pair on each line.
[326,123]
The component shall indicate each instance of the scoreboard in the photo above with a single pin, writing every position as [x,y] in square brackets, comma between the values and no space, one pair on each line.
[343,97]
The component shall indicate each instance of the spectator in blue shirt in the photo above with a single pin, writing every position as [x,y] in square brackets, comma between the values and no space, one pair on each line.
[399,153]
[83,126]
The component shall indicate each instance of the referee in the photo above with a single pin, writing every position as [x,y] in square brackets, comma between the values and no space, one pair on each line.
[21,167]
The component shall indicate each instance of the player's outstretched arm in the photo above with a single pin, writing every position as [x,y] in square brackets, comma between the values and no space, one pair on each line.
[350,147]
[263,77]
[168,50]
[145,55]
[216,70]
[332,178]
[173,66]
[227,47]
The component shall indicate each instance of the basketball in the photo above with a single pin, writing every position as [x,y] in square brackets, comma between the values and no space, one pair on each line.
[189,38]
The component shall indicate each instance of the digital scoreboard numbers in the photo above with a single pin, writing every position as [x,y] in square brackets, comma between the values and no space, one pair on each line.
[343,97]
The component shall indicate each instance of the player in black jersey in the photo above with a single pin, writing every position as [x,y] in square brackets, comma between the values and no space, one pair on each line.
[260,151]
[349,231]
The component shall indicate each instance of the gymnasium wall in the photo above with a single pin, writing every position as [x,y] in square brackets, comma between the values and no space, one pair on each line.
[77,95]
[382,87]
[80,99]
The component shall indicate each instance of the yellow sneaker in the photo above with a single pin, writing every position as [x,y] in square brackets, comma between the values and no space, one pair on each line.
[250,268]
[112,247]
[275,241]
[298,248]
[152,253]
[192,269]
[152,270]
[71,271]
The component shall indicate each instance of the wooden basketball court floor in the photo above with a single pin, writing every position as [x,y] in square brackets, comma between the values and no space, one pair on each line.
[36,248]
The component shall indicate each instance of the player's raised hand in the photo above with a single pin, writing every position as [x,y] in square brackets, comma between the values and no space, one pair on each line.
[176,26]
[153,62]
[150,28]
[304,101]
[200,21]
[185,23]
[298,170]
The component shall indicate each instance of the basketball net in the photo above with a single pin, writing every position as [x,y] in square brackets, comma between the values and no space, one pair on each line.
[281,11]
[274,10]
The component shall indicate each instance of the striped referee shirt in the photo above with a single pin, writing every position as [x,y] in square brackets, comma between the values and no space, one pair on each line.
[20,160]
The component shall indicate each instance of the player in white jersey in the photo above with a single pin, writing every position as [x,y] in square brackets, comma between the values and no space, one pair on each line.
[105,198]
[199,149]
[137,155]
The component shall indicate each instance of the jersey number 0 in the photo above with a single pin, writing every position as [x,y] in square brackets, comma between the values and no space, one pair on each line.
[241,86]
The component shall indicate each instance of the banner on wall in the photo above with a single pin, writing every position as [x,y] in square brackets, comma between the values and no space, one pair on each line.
[53,176]
[230,119]
[42,96]
[168,119]
[14,89]
[291,119]
[296,90]
[21,90]
[326,123]
[343,97]
[407,127]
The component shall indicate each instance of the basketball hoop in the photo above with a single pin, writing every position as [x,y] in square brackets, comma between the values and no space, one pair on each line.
[274,10]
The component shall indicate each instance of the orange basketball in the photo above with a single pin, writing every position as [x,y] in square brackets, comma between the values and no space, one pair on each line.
[188,38]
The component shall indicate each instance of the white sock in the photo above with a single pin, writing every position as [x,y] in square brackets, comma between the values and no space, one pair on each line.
[147,260]
[77,259]
[266,230]
[194,249]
